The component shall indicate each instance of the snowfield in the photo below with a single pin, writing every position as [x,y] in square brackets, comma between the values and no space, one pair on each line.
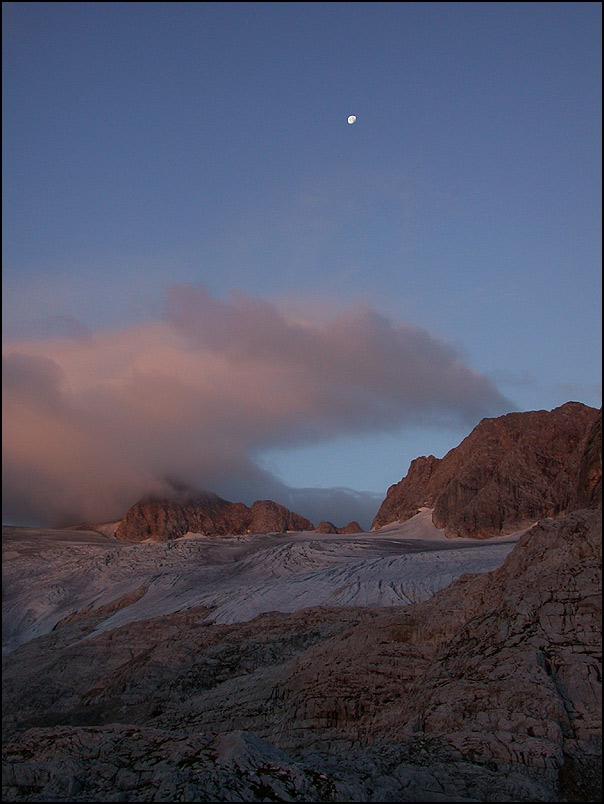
[52,574]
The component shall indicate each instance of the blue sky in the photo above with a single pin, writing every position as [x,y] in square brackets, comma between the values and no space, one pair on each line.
[149,147]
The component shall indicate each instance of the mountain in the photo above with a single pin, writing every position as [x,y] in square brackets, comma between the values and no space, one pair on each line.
[509,472]
[489,690]
[162,520]
[588,490]
[329,527]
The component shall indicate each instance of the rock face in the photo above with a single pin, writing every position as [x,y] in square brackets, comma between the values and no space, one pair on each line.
[504,665]
[166,519]
[270,516]
[351,527]
[588,491]
[329,527]
[509,472]
[489,691]
[326,527]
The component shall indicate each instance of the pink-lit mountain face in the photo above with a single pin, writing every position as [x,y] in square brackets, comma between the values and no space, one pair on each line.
[509,472]
[208,514]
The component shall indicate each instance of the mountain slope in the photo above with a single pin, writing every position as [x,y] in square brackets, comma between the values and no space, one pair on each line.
[509,472]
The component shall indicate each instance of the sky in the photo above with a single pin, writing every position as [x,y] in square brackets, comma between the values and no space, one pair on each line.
[212,279]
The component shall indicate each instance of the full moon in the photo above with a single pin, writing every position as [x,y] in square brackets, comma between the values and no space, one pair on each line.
[352,119]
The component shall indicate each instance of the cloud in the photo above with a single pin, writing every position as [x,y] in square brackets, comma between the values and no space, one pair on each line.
[337,505]
[91,424]
[65,326]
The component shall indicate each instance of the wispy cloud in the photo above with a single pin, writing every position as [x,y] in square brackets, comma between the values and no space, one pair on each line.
[90,424]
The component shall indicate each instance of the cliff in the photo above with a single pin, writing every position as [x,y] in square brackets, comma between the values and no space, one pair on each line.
[509,472]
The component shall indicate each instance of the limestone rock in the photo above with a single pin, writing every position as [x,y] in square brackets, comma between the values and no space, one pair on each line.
[134,763]
[166,519]
[490,690]
[326,527]
[508,473]
[501,668]
[351,527]
[270,516]
[329,527]
[405,498]
[588,491]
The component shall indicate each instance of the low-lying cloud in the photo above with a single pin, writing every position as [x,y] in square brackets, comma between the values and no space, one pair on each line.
[90,424]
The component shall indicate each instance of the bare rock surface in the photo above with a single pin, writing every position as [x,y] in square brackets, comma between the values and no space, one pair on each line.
[326,527]
[351,527]
[329,527]
[488,691]
[588,490]
[508,473]
[208,514]
[126,763]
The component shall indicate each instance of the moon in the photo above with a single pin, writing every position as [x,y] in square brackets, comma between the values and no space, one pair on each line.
[352,119]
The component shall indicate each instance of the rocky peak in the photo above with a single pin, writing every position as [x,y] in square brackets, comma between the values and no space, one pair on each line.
[509,472]
[205,513]
[267,515]
[405,498]
[326,527]
[588,491]
[351,527]
[329,527]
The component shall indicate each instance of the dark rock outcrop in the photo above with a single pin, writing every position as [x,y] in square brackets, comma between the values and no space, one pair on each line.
[405,498]
[329,527]
[165,519]
[509,472]
[270,516]
[588,491]
[351,527]
[326,527]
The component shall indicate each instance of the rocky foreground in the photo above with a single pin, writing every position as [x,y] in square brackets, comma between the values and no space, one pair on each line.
[489,691]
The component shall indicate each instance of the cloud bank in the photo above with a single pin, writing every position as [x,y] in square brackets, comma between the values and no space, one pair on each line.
[90,424]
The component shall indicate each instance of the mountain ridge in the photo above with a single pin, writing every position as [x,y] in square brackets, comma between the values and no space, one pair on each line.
[509,472]
[167,518]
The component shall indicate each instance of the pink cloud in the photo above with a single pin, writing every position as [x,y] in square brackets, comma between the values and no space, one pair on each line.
[92,424]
